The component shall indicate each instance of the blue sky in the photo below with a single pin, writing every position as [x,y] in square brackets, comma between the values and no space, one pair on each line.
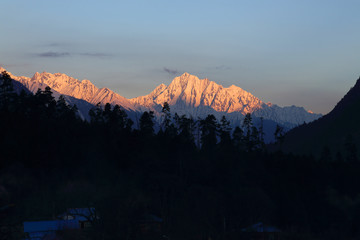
[287,52]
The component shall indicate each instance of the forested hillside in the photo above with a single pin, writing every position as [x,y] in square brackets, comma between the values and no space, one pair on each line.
[207,185]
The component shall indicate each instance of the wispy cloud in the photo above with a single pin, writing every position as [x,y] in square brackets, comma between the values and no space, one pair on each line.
[171,71]
[53,54]
[100,55]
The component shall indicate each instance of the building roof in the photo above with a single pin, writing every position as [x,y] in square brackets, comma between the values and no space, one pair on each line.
[52,225]
[80,214]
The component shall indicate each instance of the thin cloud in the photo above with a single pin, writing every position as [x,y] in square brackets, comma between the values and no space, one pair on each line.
[53,54]
[100,55]
[54,44]
[171,71]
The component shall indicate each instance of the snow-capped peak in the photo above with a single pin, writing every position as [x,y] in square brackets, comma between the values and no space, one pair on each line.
[186,94]
[189,94]
[189,90]
[185,75]
[85,81]
[2,69]
[36,76]
[84,89]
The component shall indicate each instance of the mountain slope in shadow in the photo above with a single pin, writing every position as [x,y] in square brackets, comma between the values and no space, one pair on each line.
[333,132]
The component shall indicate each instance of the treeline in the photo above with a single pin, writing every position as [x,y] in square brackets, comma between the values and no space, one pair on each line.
[203,133]
[204,180]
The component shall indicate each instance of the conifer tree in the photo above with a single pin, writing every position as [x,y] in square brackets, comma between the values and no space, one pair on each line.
[186,127]
[147,124]
[225,139]
[63,110]
[107,113]
[279,134]
[247,125]
[262,134]
[6,91]
[254,143]
[209,130]
[238,138]
[46,101]
[166,117]
[96,115]
[119,119]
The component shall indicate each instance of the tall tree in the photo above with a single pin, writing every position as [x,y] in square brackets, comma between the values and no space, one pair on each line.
[96,115]
[6,90]
[166,117]
[46,101]
[247,126]
[119,119]
[186,128]
[238,138]
[107,113]
[279,134]
[147,123]
[261,133]
[225,138]
[254,143]
[63,110]
[209,130]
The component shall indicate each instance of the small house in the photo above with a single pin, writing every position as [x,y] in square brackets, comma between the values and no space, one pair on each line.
[73,218]
[37,230]
[84,216]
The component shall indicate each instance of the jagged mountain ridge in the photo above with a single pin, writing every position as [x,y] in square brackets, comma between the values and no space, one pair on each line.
[186,94]
[72,87]
[195,92]
[25,83]
[189,94]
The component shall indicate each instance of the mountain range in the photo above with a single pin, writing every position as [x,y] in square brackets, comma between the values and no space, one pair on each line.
[186,94]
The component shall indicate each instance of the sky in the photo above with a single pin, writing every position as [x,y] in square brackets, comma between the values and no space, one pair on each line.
[304,53]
